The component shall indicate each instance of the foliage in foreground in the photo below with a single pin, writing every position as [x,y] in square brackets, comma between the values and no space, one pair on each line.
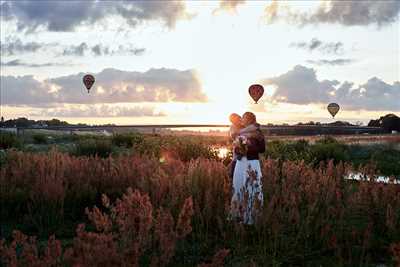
[123,234]
[309,215]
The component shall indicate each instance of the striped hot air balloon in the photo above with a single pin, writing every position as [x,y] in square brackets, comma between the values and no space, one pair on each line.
[333,109]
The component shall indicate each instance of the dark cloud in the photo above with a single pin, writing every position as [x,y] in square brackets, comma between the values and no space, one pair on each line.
[14,46]
[318,45]
[19,63]
[5,11]
[111,86]
[356,13]
[135,12]
[348,13]
[66,16]
[24,90]
[333,62]
[100,111]
[101,50]
[375,94]
[301,86]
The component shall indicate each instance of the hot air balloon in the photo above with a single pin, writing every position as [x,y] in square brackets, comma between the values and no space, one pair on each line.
[256,91]
[333,109]
[88,81]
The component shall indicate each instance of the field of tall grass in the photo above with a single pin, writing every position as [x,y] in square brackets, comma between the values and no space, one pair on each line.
[135,200]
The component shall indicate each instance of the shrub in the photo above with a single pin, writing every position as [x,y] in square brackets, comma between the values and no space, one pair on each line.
[324,149]
[127,140]
[326,140]
[387,161]
[39,139]
[3,157]
[182,148]
[328,150]
[294,151]
[9,140]
[90,147]
[187,150]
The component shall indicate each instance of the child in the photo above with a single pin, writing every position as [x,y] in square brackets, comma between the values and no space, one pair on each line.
[234,132]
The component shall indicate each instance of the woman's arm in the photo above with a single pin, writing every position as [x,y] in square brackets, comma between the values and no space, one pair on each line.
[256,145]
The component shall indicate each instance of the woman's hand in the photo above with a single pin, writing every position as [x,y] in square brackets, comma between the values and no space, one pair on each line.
[236,149]
[238,152]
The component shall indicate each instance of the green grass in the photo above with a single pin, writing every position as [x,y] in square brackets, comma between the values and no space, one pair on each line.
[383,156]
[9,140]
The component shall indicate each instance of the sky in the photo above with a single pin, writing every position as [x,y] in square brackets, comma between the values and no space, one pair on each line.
[192,62]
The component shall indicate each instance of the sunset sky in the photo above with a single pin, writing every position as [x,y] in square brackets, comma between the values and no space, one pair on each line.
[193,61]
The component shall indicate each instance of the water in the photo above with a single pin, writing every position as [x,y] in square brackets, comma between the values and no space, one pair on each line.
[379,179]
[223,130]
[223,152]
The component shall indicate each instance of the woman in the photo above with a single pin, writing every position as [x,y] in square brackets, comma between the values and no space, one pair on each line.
[247,187]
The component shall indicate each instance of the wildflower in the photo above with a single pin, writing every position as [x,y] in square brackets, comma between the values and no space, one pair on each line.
[183,226]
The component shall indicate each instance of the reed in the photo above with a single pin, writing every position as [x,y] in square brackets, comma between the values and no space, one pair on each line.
[310,214]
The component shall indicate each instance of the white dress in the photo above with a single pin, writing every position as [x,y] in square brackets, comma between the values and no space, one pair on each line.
[247,189]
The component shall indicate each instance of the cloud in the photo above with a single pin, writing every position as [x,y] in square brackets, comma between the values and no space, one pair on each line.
[301,86]
[101,50]
[111,86]
[15,46]
[64,16]
[230,5]
[19,63]
[347,13]
[334,62]
[76,50]
[24,90]
[375,94]
[318,45]
[100,111]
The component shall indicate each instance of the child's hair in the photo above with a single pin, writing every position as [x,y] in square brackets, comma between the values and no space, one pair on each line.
[235,119]
[250,117]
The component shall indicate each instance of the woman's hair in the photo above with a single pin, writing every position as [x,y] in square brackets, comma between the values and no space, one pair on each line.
[250,117]
[235,118]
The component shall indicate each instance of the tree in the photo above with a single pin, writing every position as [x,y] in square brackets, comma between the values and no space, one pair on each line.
[389,123]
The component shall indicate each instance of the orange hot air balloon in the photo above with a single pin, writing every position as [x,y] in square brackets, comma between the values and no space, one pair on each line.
[333,109]
[256,91]
[88,81]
